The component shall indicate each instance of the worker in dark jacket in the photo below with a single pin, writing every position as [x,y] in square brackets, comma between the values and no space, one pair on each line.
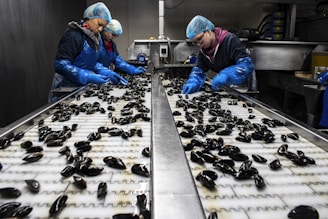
[109,54]
[323,78]
[220,51]
[76,63]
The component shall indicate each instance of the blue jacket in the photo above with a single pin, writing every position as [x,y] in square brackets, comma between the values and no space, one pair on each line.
[77,56]
[113,57]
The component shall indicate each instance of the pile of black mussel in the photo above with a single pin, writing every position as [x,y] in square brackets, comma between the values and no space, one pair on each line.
[79,166]
[213,150]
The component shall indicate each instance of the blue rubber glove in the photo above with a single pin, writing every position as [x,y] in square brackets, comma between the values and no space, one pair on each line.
[219,80]
[114,77]
[323,77]
[97,78]
[138,70]
[190,87]
[195,81]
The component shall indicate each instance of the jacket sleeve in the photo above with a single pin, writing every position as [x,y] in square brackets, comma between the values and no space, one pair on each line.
[72,72]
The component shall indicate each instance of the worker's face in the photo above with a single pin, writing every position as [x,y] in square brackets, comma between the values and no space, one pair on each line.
[202,40]
[108,36]
[96,25]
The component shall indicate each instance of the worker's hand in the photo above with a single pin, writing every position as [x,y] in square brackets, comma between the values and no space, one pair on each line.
[97,78]
[219,81]
[189,87]
[116,78]
[323,77]
[138,70]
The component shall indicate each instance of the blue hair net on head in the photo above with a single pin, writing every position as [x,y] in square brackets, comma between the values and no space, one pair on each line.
[114,26]
[97,10]
[197,25]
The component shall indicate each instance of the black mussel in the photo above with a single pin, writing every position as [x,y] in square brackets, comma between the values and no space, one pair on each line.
[282,149]
[58,205]
[33,185]
[303,212]
[213,215]
[227,161]
[188,147]
[283,138]
[93,136]
[33,157]
[293,136]
[69,156]
[55,143]
[68,171]
[210,173]
[125,135]
[206,181]
[246,173]
[146,152]
[4,143]
[187,133]
[268,137]
[63,150]
[238,156]
[79,182]
[103,129]
[275,164]
[7,208]
[21,212]
[10,192]
[176,113]
[19,136]
[229,149]
[91,170]
[258,158]
[26,144]
[79,144]
[74,127]
[252,116]
[139,132]
[34,149]
[308,159]
[142,202]
[291,155]
[244,138]
[125,216]
[225,168]
[196,156]
[209,157]
[115,132]
[226,131]
[140,169]
[1,166]
[102,190]
[179,123]
[83,146]
[259,181]
[114,162]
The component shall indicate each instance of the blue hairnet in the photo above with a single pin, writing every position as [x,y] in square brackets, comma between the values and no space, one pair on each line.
[97,10]
[197,25]
[114,26]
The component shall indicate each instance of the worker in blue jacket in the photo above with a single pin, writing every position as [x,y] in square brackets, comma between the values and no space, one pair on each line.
[219,51]
[323,78]
[109,54]
[76,63]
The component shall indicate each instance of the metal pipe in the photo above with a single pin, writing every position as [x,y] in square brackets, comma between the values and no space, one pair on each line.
[161,19]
